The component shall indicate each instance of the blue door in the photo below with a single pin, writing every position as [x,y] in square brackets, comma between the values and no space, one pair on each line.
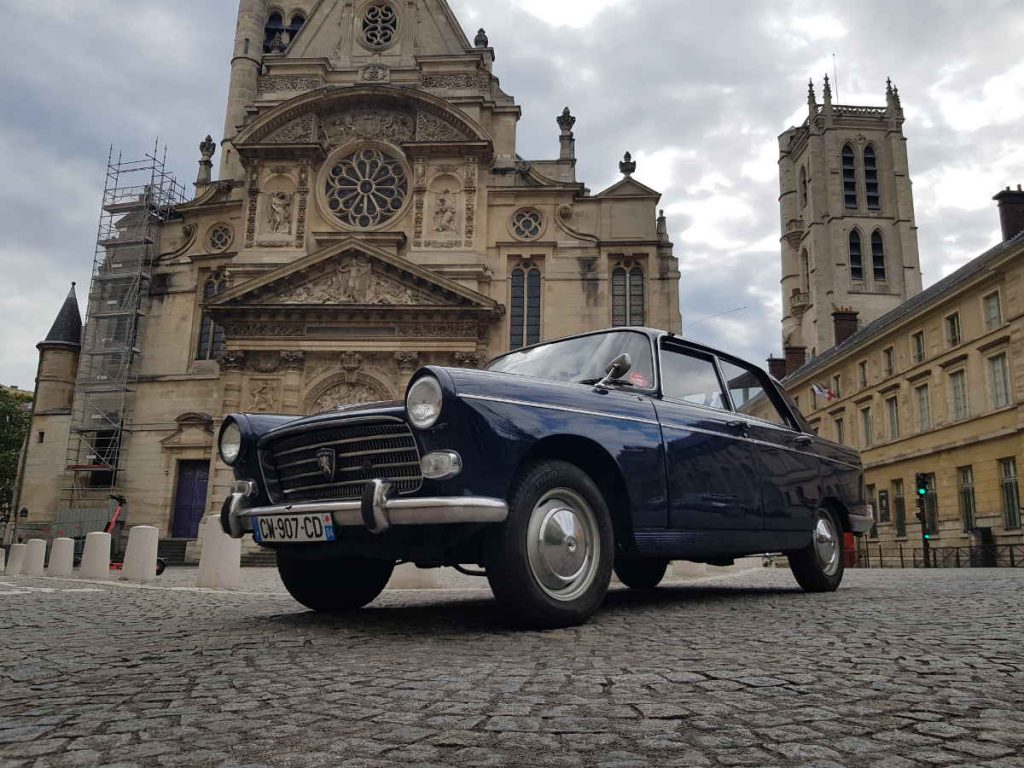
[190,498]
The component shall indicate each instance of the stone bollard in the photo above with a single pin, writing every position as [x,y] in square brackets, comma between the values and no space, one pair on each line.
[62,558]
[140,557]
[220,562]
[17,560]
[35,558]
[3,558]
[96,558]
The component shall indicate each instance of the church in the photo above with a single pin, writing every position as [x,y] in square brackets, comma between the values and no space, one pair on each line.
[371,215]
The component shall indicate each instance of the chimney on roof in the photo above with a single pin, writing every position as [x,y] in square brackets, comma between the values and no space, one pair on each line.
[795,358]
[1011,211]
[844,321]
[777,367]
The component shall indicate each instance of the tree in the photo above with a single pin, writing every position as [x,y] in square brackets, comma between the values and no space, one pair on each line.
[15,415]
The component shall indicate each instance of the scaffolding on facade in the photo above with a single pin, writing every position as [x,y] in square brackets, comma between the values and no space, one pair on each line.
[138,196]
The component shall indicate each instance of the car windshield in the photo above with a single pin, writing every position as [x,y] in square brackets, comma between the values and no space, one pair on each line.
[583,359]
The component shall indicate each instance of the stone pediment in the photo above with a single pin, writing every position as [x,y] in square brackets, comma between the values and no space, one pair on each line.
[629,187]
[352,274]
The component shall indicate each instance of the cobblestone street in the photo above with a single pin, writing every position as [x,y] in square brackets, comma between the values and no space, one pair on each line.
[899,668]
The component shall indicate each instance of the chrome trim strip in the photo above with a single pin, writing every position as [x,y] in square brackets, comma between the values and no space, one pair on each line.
[564,408]
[327,443]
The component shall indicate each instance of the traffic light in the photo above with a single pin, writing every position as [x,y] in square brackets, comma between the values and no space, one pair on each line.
[922,483]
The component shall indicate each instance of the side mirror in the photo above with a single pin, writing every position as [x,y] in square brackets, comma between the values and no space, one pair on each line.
[616,369]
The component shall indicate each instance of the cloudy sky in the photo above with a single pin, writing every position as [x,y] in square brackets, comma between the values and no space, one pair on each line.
[697,91]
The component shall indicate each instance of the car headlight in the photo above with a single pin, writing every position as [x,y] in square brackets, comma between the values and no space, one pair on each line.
[230,443]
[423,403]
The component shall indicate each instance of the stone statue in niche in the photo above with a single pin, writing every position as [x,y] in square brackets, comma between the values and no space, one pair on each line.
[279,222]
[444,213]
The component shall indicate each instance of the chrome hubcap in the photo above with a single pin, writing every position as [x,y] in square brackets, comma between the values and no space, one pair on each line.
[563,546]
[826,544]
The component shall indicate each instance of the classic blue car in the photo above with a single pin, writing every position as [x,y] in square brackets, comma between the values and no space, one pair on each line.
[623,449]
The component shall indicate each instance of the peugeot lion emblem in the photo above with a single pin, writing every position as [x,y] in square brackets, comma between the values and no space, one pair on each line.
[325,460]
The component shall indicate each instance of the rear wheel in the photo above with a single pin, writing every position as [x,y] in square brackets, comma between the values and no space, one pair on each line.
[641,574]
[334,585]
[551,561]
[818,567]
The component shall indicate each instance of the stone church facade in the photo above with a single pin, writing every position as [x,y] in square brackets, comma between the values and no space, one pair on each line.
[372,215]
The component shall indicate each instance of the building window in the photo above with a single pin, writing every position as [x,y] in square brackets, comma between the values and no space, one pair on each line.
[998,381]
[958,406]
[527,224]
[866,427]
[837,391]
[849,177]
[878,256]
[931,506]
[870,491]
[803,186]
[871,192]
[840,431]
[525,304]
[965,477]
[856,257]
[889,360]
[883,507]
[41,438]
[924,408]
[953,330]
[295,25]
[275,35]
[380,26]
[211,335]
[993,311]
[899,502]
[892,409]
[917,342]
[1011,493]
[628,295]
[862,373]
[366,188]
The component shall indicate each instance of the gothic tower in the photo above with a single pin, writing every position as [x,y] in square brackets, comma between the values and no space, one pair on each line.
[849,240]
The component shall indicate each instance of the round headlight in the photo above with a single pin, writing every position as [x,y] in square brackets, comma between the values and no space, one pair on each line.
[423,403]
[230,443]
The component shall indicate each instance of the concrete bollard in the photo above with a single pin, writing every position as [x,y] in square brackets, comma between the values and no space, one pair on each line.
[220,562]
[17,560]
[140,557]
[3,560]
[62,558]
[96,557]
[35,558]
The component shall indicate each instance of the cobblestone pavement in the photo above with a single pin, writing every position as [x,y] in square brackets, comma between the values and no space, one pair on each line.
[898,668]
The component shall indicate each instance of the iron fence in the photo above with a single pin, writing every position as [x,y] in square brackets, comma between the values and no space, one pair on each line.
[870,555]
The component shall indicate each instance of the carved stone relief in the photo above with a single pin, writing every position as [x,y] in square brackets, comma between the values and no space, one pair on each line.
[249,329]
[293,361]
[432,128]
[339,390]
[354,281]
[267,85]
[445,212]
[375,73]
[232,361]
[299,130]
[302,192]
[253,206]
[455,80]
[367,123]
[263,362]
[471,171]
[264,395]
[407,362]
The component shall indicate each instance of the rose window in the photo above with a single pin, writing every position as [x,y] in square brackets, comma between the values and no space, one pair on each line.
[527,224]
[366,188]
[380,26]
[219,237]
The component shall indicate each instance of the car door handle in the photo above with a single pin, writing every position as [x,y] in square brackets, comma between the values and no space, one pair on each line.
[803,440]
[740,426]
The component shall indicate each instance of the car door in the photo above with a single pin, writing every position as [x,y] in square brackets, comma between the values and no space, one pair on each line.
[709,466]
[789,469]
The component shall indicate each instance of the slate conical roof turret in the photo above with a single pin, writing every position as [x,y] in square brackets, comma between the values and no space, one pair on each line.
[67,328]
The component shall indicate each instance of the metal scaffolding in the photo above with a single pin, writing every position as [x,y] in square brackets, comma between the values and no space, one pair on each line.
[138,196]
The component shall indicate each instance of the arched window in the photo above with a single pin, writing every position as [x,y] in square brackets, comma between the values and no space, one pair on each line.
[275,37]
[211,335]
[805,271]
[803,186]
[628,295]
[295,25]
[525,305]
[849,177]
[878,256]
[856,257]
[871,192]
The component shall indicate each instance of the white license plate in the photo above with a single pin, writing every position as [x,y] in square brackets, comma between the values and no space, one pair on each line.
[293,528]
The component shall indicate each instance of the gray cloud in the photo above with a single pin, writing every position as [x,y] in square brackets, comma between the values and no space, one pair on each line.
[698,91]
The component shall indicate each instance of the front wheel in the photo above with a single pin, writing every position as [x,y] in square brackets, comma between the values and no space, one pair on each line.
[818,567]
[551,561]
[336,584]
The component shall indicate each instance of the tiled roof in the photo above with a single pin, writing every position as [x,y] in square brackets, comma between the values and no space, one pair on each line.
[931,294]
[67,328]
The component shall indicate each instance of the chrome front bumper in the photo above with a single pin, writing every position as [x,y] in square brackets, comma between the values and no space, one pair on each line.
[375,512]
[862,518]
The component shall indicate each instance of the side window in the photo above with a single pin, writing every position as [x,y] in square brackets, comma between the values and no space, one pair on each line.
[746,387]
[691,378]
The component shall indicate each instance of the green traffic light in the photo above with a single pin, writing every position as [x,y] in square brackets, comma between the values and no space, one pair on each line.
[922,491]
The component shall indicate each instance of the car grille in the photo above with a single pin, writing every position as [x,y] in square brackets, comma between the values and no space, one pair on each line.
[382,450]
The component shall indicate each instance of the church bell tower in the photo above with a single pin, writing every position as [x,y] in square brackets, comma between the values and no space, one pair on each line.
[849,239]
